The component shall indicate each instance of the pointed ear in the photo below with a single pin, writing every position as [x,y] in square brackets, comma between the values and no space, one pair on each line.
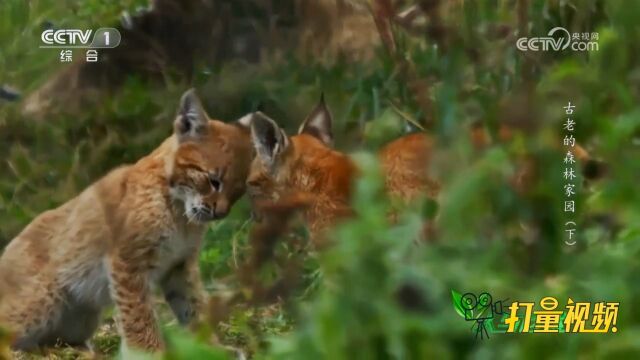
[246,120]
[318,123]
[191,120]
[268,139]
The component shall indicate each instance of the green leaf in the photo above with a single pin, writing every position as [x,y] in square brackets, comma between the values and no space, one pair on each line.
[456,298]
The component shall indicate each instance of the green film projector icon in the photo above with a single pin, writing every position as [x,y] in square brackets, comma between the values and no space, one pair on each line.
[479,309]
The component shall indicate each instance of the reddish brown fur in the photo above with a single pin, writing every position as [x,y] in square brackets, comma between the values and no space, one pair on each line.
[405,162]
[310,172]
[323,177]
[120,236]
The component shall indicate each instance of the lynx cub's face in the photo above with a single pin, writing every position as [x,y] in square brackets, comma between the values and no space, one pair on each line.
[279,158]
[210,165]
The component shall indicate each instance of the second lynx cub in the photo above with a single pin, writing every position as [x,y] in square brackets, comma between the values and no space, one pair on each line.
[305,166]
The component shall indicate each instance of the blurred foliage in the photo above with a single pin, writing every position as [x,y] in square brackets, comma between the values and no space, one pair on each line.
[376,293]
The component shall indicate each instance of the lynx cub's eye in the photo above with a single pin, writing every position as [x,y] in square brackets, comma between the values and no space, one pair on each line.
[216,182]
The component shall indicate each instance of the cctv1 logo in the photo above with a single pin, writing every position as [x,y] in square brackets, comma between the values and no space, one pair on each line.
[75,38]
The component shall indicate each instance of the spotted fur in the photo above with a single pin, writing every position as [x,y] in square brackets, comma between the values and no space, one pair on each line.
[138,227]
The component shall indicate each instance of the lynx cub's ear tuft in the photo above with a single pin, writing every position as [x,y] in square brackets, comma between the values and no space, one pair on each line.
[268,139]
[191,120]
[318,123]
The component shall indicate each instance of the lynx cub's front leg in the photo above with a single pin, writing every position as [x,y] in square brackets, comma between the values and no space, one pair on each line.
[130,289]
[182,288]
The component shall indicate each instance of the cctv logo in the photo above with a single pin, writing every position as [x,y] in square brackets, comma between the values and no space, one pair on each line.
[75,38]
[548,43]
[66,37]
